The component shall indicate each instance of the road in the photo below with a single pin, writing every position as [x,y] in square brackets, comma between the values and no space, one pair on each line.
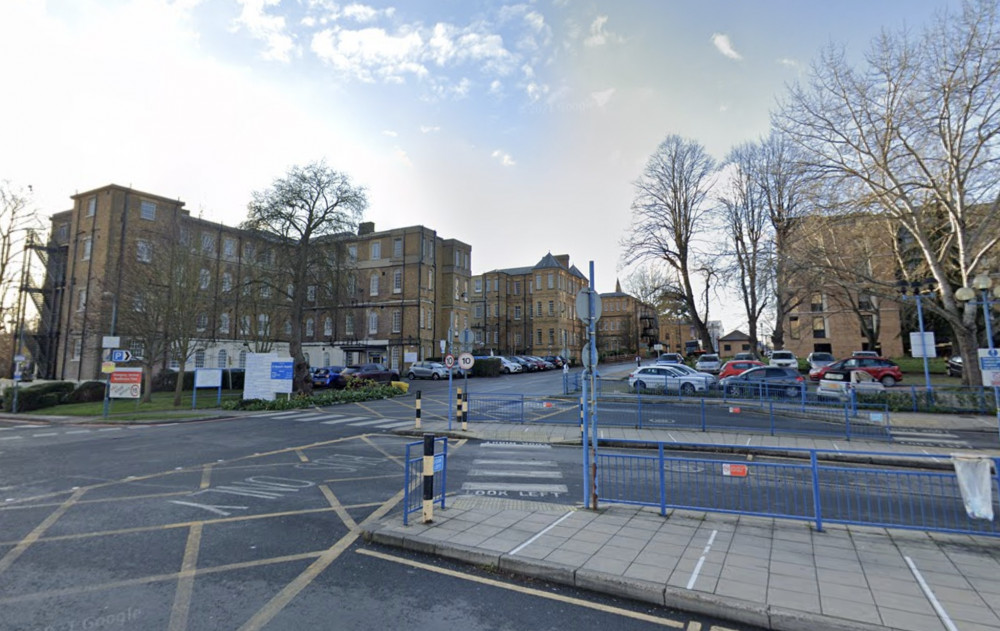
[254,523]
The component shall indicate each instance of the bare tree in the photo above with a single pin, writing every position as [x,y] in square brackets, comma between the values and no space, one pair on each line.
[16,219]
[311,202]
[669,213]
[916,128]
[745,217]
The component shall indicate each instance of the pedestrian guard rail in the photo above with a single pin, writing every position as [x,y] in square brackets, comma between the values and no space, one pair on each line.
[413,476]
[822,487]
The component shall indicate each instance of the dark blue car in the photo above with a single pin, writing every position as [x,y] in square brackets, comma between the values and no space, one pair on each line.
[326,377]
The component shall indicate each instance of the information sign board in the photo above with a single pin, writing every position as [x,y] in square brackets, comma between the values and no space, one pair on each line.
[922,345]
[208,377]
[125,383]
[989,366]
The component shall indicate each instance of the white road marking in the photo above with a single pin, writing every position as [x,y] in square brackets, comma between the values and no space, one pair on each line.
[79,431]
[345,420]
[942,434]
[45,434]
[948,624]
[395,425]
[515,474]
[501,445]
[944,441]
[701,561]
[534,463]
[538,488]
[11,438]
[375,422]
[547,528]
[279,414]
[306,418]
[110,429]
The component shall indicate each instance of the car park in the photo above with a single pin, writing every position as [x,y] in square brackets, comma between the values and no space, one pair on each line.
[709,362]
[670,358]
[326,377]
[765,381]
[880,368]
[734,367]
[427,370]
[783,359]
[665,379]
[840,384]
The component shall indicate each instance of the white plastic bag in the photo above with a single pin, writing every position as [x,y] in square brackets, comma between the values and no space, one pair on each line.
[974,482]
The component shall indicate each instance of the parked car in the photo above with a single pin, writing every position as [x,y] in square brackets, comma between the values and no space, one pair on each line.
[546,364]
[734,367]
[765,380]
[784,359]
[880,368]
[744,356]
[683,369]
[664,379]
[427,370]
[555,359]
[865,354]
[954,366]
[838,384]
[709,362]
[327,376]
[819,359]
[508,366]
[526,365]
[375,372]
[670,358]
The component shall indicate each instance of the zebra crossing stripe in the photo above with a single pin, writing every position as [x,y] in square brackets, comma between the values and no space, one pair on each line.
[515,474]
[515,463]
[513,445]
[366,423]
[536,488]
[396,425]
[349,419]
[280,414]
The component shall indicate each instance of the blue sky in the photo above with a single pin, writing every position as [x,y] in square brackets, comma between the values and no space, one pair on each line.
[518,128]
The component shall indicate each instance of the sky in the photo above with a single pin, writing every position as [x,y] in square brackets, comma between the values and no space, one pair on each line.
[518,128]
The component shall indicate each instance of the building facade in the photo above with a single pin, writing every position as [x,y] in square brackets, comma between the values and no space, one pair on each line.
[391,300]
[627,325]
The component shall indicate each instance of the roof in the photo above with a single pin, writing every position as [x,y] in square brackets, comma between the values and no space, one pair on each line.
[734,335]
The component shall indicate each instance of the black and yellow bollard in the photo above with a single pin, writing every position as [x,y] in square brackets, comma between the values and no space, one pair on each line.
[581,413]
[458,406]
[417,425]
[428,506]
[465,413]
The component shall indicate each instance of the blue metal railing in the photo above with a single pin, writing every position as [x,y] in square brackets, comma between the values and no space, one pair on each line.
[864,494]
[496,407]
[413,477]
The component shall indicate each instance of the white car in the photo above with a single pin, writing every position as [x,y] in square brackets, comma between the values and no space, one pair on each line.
[708,362]
[838,384]
[710,379]
[783,359]
[665,379]
[508,367]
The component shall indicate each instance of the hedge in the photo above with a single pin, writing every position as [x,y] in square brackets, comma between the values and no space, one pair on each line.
[37,397]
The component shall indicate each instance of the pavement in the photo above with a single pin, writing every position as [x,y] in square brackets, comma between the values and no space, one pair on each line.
[771,573]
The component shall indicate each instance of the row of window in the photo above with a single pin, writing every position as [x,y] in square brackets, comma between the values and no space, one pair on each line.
[553,279]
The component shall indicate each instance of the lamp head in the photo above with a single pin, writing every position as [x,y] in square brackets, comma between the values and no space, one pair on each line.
[982,281]
[965,294]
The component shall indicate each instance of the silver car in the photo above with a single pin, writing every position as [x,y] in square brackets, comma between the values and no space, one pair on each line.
[708,362]
[427,370]
[663,378]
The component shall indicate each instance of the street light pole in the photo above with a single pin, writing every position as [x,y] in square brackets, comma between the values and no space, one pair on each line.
[916,287]
[983,282]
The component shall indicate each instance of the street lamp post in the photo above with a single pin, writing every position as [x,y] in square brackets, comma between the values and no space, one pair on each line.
[114,325]
[915,287]
[983,282]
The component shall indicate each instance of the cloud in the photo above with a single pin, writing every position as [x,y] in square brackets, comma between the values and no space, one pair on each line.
[429,129]
[504,158]
[371,53]
[401,156]
[790,63]
[279,45]
[724,46]
[389,132]
[598,36]
[601,98]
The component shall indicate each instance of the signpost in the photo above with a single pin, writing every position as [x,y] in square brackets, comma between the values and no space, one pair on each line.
[588,309]
[206,378]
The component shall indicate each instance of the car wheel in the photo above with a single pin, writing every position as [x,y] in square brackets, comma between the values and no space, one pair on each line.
[687,389]
[888,381]
[791,392]
[394,377]
[640,386]
[411,376]
[435,376]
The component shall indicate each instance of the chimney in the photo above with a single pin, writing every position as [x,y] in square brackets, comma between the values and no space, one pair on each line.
[563,259]
[366,227]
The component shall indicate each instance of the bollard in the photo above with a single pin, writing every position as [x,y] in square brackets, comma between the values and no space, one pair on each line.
[428,506]
[417,425]
[458,406]
[465,412]
[581,413]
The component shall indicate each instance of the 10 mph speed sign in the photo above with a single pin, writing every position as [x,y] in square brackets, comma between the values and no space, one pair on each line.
[449,360]
[466,361]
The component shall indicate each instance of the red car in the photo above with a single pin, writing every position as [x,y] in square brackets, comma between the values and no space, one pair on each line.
[880,368]
[734,367]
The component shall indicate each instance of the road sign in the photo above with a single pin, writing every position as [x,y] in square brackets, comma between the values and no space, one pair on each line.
[467,337]
[110,341]
[924,347]
[125,383]
[582,308]
[19,358]
[989,366]
[120,355]
[281,370]
[588,361]
[466,361]
[107,367]
[449,360]
[734,470]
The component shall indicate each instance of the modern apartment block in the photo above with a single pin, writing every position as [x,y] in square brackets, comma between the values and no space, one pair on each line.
[529,310]
[403,289]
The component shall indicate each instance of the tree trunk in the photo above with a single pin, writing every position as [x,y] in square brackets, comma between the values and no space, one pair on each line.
[179,386]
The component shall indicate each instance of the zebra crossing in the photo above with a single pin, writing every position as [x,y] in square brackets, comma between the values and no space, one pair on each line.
[327,418]
[514,470]
[927,438]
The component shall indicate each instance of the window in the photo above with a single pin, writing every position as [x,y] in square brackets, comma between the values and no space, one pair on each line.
[517,288]
[328,327]
[421,318]
[552,337]
[552,308]
[289,291]
[222,359]
[245,325]
[795,326]
[138,304]
[517,339]
[430,279]
[372,323]
[458,259]
[552,279]
[310,293]
[223,323]
[376,250]
[265,291]
[77,348]
[539,336]
[204,278]
[207,243]
[248,251]
[349,325]
[310,327]
[394,358]
[137,348]
[91,206]
[263,322]
[477,285]
[81,300]
[227,281]
[397,248]
[288,327]
[478,311]
[201,322]
[185,236]
[865,302]
[143,251]
[352,285]
[539,312]
[266,257]
[517,312]
[816,302]
[229,247]
[397,321]
[397,281]
[496,310]
[352,253]
[243,358]
[62,233]
[819,327]
[88,244]
[867,324]
[373,285]
[147,210]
